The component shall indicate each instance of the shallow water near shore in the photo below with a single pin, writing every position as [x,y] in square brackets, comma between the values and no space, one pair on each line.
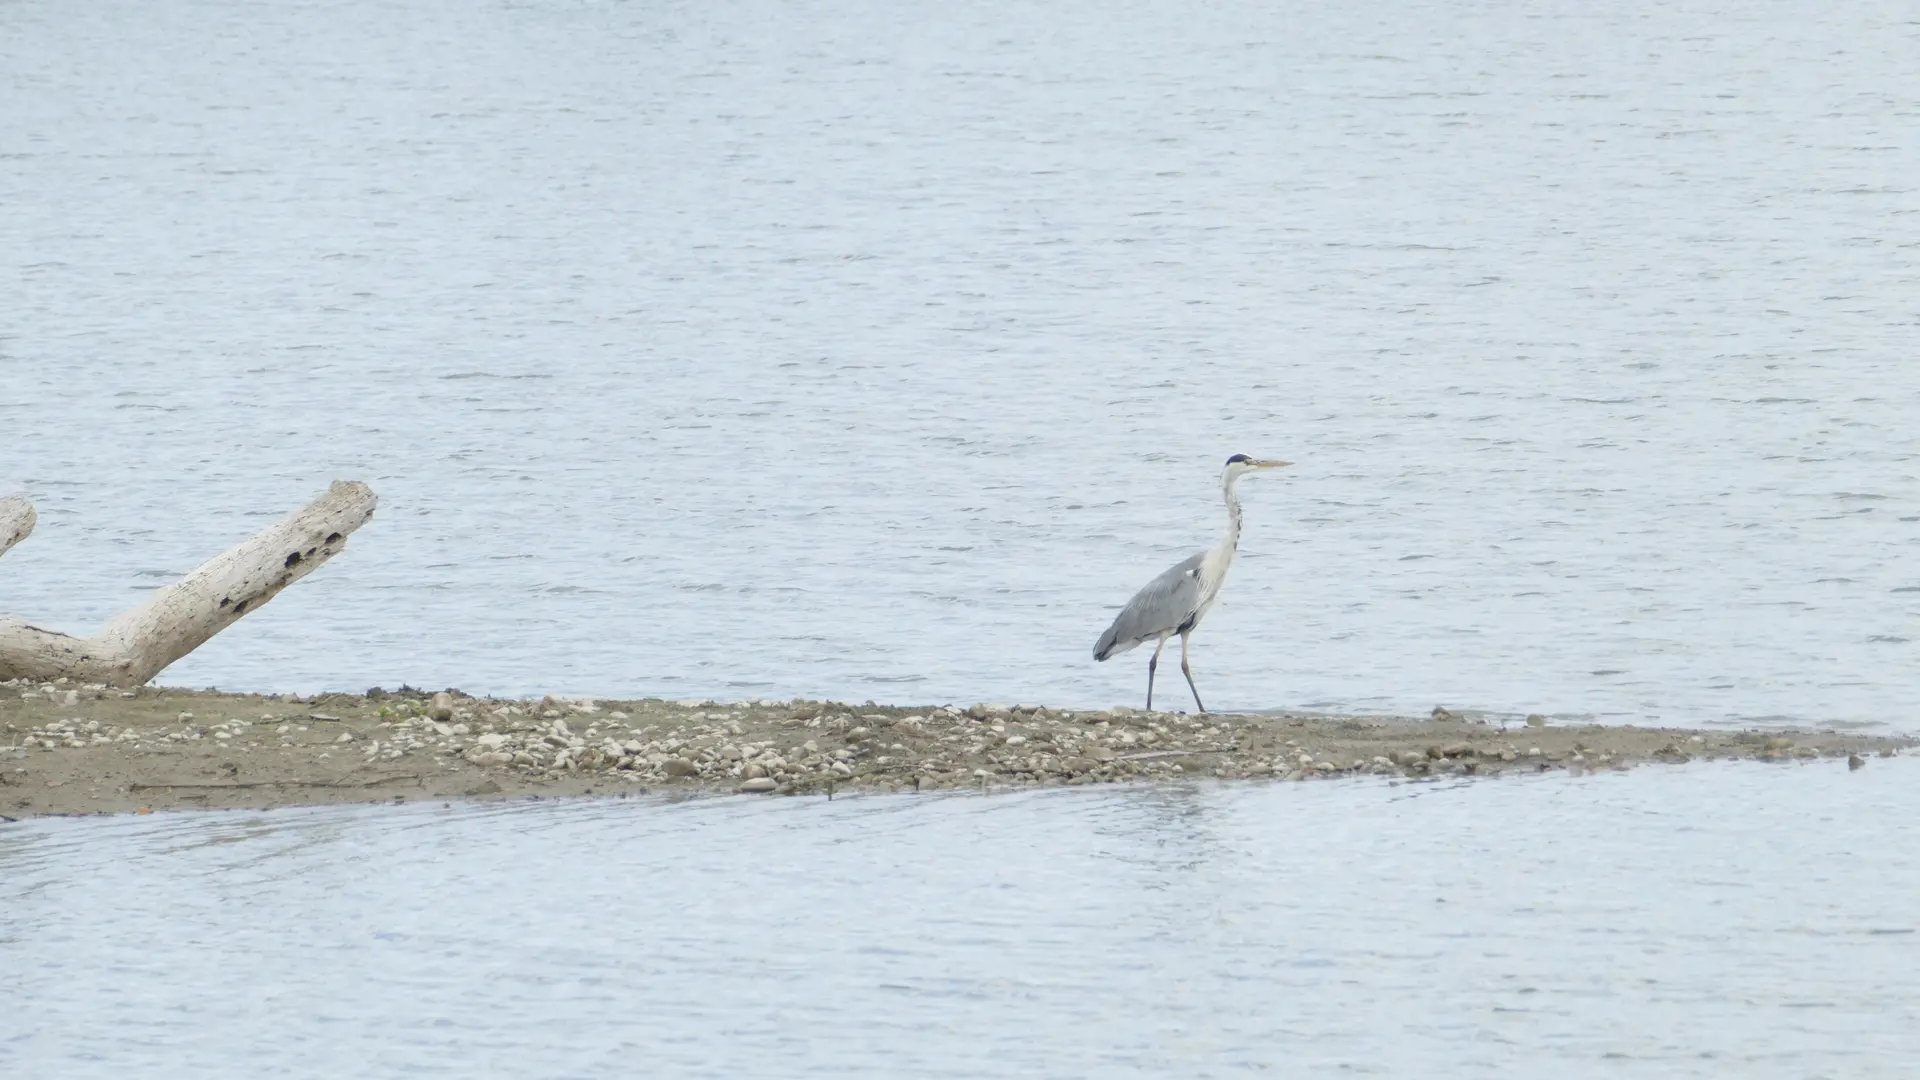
[1707,920]
[734,349]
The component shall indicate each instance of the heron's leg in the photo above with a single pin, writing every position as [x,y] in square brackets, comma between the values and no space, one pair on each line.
[1188,672]
[1151,664]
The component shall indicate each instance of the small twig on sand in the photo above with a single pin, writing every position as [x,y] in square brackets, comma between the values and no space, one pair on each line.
[1152,754]
[278,783]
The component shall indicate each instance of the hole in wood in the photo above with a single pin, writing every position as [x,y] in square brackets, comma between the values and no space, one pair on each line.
[293,559]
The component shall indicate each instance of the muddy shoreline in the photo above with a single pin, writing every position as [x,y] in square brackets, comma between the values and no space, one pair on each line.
[73,749]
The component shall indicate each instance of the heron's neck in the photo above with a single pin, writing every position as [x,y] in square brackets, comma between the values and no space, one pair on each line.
[1231,542]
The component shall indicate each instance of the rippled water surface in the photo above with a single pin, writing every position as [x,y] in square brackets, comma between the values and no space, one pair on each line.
[752,349]
[1698,921]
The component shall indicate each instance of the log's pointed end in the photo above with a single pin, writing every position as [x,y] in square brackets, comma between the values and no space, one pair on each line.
[353,491]
[353,496]
[16,520]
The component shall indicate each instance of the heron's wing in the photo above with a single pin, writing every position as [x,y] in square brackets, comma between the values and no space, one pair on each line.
[1158,609]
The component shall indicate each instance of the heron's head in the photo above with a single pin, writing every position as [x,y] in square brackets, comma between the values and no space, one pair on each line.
[1240,464]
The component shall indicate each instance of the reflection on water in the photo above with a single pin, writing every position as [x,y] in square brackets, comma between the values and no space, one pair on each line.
[1702,921]
[742,349]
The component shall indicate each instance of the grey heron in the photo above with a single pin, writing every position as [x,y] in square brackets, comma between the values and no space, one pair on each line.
[1176,601]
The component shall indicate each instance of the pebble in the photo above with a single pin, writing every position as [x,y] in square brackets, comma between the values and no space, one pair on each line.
[759,785]
[442,707]
[345,736]
[1855,761]
[1536,720]
[679,767]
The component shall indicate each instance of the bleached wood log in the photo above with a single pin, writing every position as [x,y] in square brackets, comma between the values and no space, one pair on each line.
[175,620]
[16,521]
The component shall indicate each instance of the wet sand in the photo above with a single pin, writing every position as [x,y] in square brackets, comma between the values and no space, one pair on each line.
[69,749]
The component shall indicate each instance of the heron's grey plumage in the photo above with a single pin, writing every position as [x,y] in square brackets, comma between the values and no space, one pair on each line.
[1161,608]
[1176,601]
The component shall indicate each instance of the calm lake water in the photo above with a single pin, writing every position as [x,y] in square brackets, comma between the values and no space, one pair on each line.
[1698,921]
[754,349]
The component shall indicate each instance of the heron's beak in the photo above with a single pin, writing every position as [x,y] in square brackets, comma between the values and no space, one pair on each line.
[1270,464]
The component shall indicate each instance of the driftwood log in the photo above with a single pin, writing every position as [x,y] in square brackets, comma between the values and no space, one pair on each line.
[179,618]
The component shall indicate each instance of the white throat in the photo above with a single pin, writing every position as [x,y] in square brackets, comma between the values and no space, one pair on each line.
[1230,543]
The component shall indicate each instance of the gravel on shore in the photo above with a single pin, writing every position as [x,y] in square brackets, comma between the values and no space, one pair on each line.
[85,749]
